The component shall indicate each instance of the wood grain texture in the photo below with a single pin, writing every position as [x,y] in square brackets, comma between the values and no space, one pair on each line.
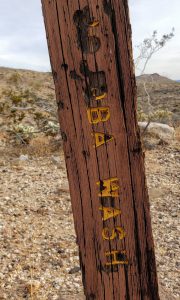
[90,50]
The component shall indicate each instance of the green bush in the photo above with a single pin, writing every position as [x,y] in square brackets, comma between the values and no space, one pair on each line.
[51,128]
[24,132]
[161,115]
[142,116]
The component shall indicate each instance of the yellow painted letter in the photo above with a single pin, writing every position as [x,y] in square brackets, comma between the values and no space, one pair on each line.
[116,232]
[109,212]
[109,187]
[98,114]
[101,138]
[116,258]
[95,93]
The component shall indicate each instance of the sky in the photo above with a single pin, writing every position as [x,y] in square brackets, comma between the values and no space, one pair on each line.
[23,40]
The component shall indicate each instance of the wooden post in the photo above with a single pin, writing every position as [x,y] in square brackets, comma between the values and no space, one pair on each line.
[91,57]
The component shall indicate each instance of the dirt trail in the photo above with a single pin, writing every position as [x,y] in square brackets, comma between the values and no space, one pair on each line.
[39,256]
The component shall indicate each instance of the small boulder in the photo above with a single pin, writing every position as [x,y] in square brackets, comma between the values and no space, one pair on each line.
[23,157]
[161,131]
[29,121]
[74,270]
[56,160]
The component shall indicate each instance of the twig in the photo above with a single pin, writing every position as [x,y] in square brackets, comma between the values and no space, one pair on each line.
[50,87]
[148,123]
[21,139]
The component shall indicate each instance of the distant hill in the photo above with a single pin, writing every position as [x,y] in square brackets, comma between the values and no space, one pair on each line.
[154,77]
[164,94]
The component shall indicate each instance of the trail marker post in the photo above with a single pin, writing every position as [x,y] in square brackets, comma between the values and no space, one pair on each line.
[91,57]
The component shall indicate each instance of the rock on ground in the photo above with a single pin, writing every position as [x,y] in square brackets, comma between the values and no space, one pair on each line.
[162,131]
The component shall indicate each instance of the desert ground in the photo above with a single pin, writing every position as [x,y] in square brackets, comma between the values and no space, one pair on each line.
[38,252]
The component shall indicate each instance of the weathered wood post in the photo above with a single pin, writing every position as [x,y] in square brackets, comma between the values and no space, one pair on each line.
[91,57]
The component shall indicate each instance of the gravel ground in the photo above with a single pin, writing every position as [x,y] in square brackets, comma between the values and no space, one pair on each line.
[38,253]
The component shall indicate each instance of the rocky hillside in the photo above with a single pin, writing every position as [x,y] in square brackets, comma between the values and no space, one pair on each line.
[154,77]
[27,103]
[164,96]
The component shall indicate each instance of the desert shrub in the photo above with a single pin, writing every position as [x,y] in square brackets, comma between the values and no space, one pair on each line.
[177,134]
[14,78]
[51,95]
[142,116]
[16,97]
[43,146]
[51,128]
[38,115]
[147,49]
[23,133]
[26,93]
[162,116]
[6,92]
[37,147]
[37,85]
[21,116]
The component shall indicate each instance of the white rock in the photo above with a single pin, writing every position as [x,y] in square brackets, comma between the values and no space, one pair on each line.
[23,157]
[56,160]
[163,131]
[28,120]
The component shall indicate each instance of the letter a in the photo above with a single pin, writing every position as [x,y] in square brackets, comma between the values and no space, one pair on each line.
[109,212]
[101,138]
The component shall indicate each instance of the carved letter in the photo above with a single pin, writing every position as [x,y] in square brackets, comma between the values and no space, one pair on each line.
[101,138]
[118,231]
[116,258]
[108,188]
[96,96]
[98,114]
[109,212]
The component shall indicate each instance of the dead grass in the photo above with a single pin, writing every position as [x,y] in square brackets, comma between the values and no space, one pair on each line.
[177,134]
[38,147]
[43,146]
